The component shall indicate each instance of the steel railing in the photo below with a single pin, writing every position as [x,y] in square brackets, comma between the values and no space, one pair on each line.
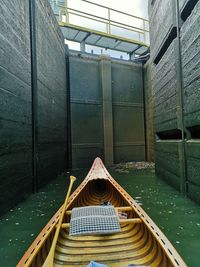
[137,28]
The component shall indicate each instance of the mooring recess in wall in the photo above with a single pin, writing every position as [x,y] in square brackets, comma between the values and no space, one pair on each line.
[174,134]
[166,43]
[187,9]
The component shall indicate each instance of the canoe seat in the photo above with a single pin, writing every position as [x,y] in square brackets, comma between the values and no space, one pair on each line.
[92,220]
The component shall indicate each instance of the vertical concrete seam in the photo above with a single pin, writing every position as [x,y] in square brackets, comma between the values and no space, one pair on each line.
[68,100]
[183,185]
[145,113]
[34,92]
[106,83]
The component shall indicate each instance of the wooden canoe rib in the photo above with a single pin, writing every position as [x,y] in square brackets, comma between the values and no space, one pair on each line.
[140,242]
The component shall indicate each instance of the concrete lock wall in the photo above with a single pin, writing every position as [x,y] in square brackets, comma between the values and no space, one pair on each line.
[16,99]
[190,51]
[86,110]
[15,103]
[107,110]
[128,112]
[175,89]
[52,89]
[149,111]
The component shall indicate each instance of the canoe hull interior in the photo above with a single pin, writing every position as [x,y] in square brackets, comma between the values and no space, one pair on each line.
[140,241]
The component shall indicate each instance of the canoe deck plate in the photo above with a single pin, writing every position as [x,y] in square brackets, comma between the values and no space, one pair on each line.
[94,220]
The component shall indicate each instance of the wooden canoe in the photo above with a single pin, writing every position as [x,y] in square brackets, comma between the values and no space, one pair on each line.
[140,241]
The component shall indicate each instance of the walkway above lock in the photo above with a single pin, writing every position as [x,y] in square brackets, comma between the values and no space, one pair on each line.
[102,27]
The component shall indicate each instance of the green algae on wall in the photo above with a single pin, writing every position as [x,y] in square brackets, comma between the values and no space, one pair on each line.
[16,147]
[176,83]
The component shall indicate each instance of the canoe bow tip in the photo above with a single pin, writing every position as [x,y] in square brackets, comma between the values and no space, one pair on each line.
[98,160]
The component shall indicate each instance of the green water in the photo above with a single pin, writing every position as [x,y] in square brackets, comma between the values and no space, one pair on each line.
[177,217]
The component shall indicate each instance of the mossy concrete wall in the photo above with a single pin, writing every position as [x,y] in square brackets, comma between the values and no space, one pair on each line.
[86,110]
[16,176]
[52,89]
[165,91]
[190,53]
[97,120]
[161,22]
[15,103]
[149,111]
[128,111]
[175,89]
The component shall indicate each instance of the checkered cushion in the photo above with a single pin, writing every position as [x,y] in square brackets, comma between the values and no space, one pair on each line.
[94,220]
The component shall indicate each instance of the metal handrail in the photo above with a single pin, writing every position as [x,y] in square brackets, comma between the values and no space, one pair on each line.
[64,9]
[103,20]
[121,12]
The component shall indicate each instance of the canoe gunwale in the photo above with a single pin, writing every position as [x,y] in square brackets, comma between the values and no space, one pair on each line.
[163,242]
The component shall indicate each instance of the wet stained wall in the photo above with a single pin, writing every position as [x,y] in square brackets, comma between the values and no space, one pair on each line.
[175,91]
[16,140]
[148,97]
[107,110]
[15,103]
[86,110]
[107,104]
[128,112]
[52,90]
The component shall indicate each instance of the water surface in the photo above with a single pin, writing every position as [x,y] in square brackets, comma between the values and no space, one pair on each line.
[177,216]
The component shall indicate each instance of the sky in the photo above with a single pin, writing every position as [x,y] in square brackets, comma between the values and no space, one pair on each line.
[134,7]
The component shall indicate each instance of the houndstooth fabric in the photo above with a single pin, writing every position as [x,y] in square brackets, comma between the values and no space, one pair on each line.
[94,220]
